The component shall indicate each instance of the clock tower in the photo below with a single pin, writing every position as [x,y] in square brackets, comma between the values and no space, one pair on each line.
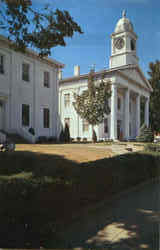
[123,44]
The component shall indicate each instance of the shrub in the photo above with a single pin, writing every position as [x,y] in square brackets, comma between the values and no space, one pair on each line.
[31,131]
[62,136]
[146,134]
[84,139]
[66,133]
[152,147]
[78,139]
[42,139]
[94,136]
[52,139]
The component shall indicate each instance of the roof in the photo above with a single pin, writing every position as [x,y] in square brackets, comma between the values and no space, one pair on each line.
[108,71]
[35,55]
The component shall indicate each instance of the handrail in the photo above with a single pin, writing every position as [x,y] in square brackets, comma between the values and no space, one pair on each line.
[2,137]
[26,135]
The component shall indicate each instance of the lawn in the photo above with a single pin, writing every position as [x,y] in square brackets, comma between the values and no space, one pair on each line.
[74,152]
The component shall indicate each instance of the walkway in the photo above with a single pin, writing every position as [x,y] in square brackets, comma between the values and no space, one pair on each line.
[130,222]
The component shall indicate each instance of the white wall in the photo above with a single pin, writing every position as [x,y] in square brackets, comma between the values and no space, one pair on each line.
[33,93]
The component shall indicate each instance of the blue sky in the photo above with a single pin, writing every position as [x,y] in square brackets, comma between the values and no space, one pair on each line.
[97,19]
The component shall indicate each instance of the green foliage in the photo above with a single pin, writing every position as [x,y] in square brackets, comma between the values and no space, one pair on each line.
[154,73]
[152,147]
[146,134]
[41,30]
[92,104]
[66,133]
[94,136]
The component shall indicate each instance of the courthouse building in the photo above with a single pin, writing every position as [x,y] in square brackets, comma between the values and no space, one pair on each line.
[128,86]
[32,96]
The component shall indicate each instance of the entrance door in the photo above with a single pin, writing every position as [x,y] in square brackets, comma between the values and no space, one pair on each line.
[119,129]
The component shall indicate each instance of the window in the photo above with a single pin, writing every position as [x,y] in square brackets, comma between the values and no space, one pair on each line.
[25,72]
[25,115]
[105,125]
[130,107]
[67,120]
[119,103]
[46,118]
[1,64]
[133,44]
[66,100]
[130,129]
[46,79]
[85,126]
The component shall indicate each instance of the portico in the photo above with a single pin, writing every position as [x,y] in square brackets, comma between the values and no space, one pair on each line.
[129,119]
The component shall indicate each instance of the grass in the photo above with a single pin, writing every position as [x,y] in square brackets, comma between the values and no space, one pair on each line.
[46,185]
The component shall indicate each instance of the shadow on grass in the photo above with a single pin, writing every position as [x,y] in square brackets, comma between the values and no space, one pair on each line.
[131,222]
[41,194]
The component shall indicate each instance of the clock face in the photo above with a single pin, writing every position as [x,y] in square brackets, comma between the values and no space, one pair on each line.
[119,43]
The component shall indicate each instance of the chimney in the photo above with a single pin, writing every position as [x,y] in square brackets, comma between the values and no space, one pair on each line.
[76,70]
[60,74]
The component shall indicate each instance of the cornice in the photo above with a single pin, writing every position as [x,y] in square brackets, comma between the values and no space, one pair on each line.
[31,53]
[133,81]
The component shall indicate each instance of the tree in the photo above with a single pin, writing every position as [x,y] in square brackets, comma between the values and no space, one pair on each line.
[92,104]
[154,80]
[31,28]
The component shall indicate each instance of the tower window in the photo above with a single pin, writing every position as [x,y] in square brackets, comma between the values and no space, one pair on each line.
[133,45]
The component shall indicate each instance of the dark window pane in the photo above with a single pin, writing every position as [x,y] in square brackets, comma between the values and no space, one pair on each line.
[106,125]
[25,72]
[46,118]
[1,64]
[46,79]
[67,120]
[25,115]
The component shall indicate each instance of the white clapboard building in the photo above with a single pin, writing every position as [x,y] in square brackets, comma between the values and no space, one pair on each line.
[28,93]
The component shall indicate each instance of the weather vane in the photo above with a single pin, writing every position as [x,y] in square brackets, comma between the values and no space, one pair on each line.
[93,66]
[124,13]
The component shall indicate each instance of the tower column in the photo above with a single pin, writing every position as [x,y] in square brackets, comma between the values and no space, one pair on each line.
[126,115]
[113,127]
[146,118]
[138,117]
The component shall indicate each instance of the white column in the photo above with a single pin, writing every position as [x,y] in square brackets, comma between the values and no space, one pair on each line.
[113,127]
[146,118]
[138,117]
[126,115]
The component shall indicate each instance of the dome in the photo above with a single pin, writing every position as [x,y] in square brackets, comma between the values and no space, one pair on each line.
[124,24]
